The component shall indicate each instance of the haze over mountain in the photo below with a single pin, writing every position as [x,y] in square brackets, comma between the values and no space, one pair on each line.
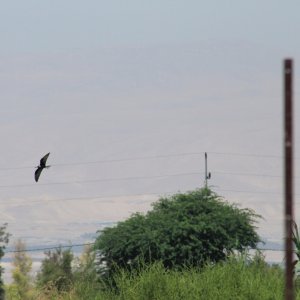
[127,98]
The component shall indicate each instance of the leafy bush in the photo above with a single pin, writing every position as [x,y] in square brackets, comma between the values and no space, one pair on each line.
[56,270]
[22,281]
[182,230]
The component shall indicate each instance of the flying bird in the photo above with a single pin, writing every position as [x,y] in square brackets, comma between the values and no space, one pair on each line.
[40,168]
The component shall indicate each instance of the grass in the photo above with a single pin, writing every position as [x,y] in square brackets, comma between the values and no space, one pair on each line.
[234,279]
[237,278]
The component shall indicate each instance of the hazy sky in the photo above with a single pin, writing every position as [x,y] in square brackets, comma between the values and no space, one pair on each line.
[100,81]
[43,27]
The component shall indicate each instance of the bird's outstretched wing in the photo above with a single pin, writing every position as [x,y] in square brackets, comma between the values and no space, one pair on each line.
[43,160]
[37,173]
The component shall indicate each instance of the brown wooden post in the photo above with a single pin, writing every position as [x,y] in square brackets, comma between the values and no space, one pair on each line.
[288,154]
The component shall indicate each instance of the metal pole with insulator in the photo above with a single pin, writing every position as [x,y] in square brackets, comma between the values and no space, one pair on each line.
[205,170]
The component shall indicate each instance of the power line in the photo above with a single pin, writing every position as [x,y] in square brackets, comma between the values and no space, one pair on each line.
[250,192]
[28,201]
[131,159]
[49,248]
[104,180]
[161,194]
[97,197]
[247,174]
[247,154]
[141,178]
[93,243]
[149,157]
[111,160]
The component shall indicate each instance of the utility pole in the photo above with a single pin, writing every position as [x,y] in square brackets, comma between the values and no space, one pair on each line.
[288,154]
[207,176]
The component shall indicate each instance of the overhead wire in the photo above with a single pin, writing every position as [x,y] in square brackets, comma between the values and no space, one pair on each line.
[146,177]
[110,160]
[49,248]
[247,174]
[150,157]
[31,249]
[145,194]
[251,192]
[104,180]
[246,154]
[141,178]
[94,197]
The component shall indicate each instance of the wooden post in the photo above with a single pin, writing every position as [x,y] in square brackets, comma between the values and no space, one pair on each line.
[288,154]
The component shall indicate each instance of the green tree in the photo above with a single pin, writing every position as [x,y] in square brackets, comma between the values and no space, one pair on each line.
[84,265]
[21,272]
[4,238]
[184,229]
[56,269]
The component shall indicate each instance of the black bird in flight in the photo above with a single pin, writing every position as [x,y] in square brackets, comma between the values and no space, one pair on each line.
[41,167]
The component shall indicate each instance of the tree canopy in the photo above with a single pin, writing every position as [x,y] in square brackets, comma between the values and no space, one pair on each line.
[22,263]
[184,229]
[56,269]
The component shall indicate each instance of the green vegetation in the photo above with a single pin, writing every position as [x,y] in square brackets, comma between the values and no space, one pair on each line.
[236,278]
[296,241]
[56,270]
[22,281]
[4,238]
[182,230]
[192,246]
